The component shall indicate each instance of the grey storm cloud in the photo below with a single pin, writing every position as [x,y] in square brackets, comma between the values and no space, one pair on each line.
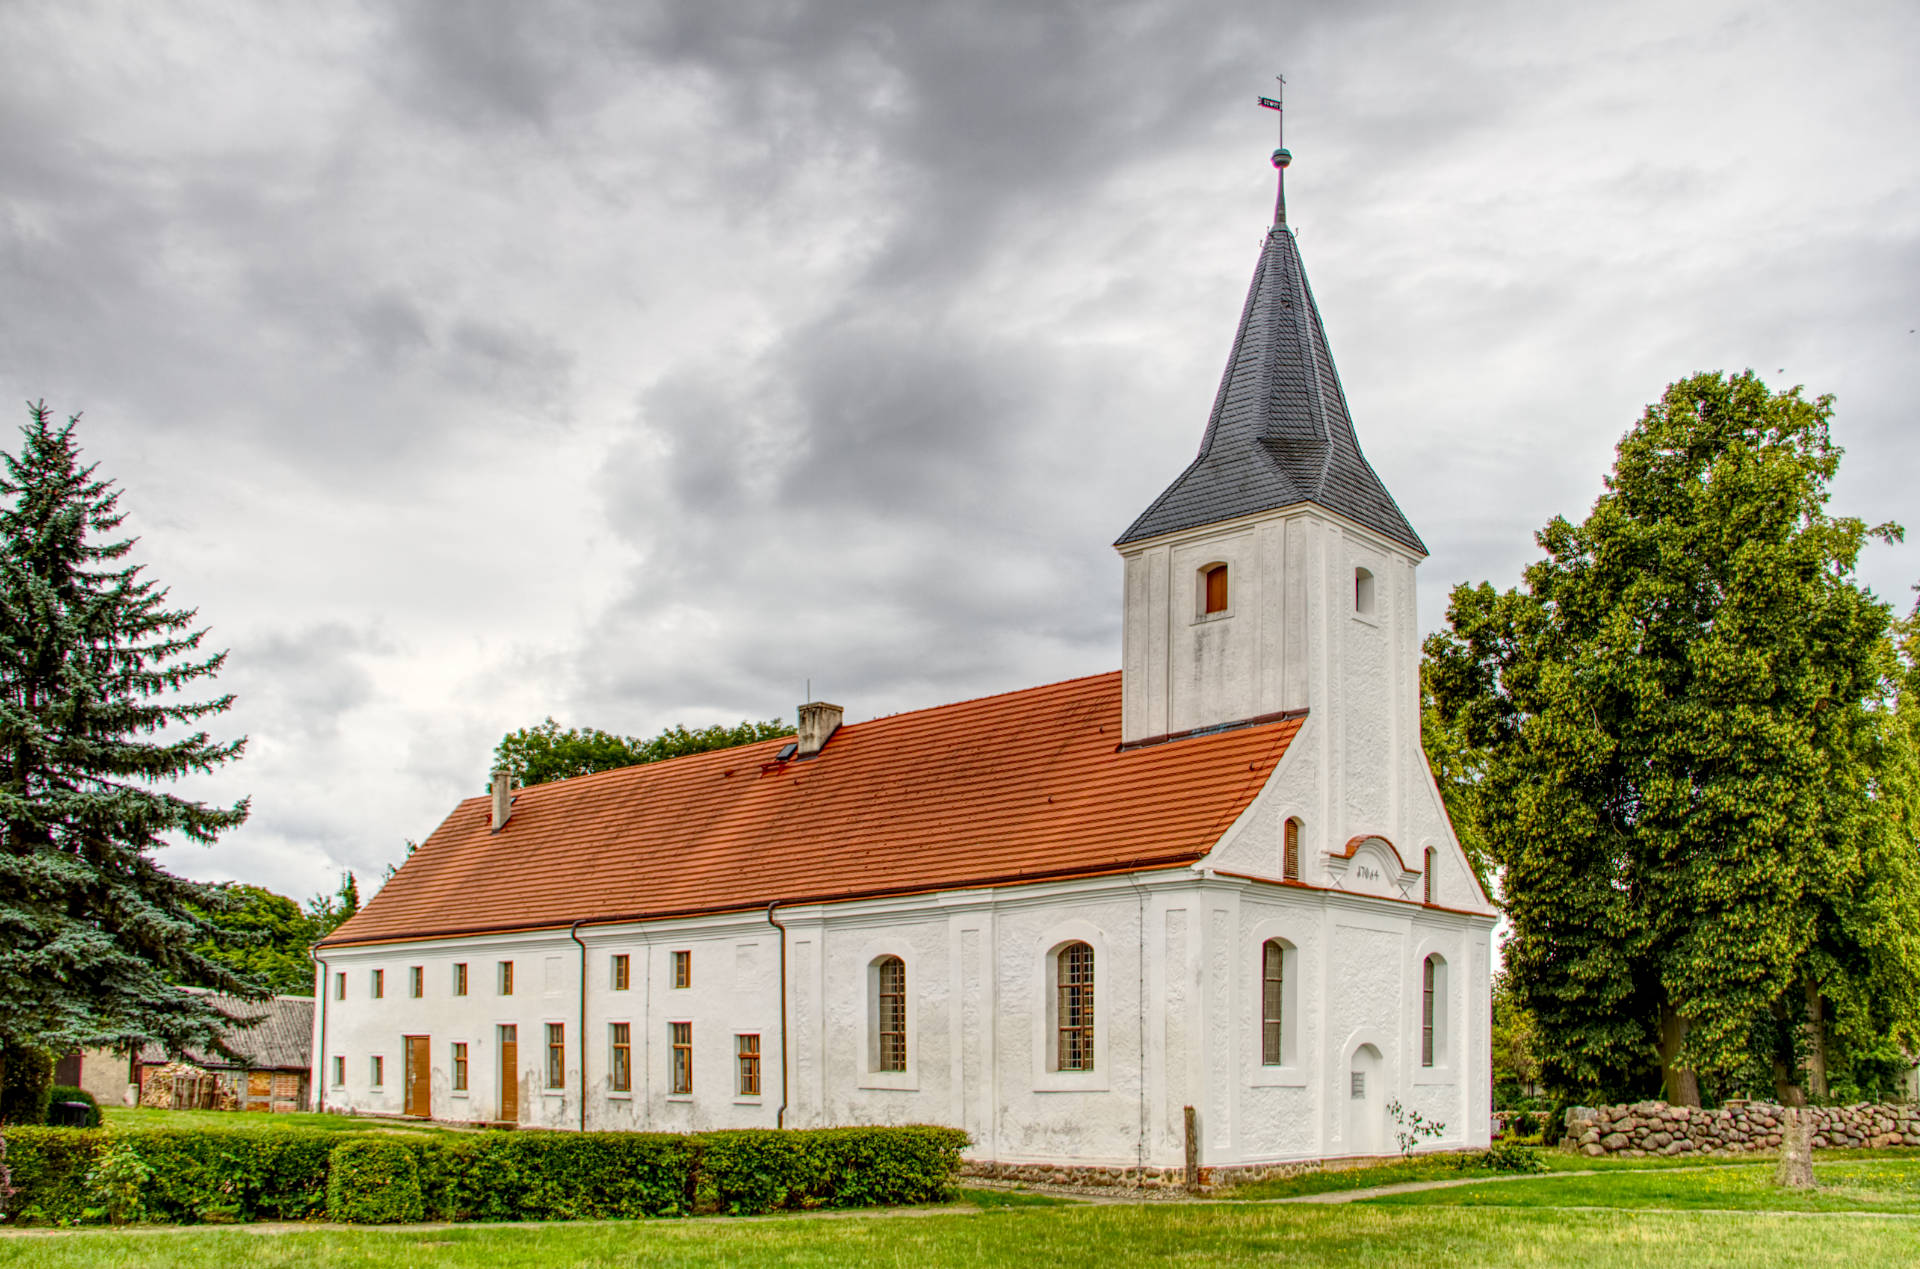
[637,363]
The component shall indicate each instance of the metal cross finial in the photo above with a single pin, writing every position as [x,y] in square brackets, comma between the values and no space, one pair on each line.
[1280,156]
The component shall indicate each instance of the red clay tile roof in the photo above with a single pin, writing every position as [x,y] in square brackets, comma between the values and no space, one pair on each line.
[985,792]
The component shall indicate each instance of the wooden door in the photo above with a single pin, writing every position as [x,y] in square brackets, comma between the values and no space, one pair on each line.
[420,1075]
[510,1075]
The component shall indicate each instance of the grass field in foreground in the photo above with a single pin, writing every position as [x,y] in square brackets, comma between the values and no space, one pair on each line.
[1855,1185]
[1444,1168]
[1057,1237]
[131,1117]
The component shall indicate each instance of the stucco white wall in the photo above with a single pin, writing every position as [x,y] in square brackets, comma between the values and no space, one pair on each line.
[1177,1019]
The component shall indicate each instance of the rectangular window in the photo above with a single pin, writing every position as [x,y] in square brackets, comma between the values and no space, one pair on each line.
[339,1071]
[340,985]
[379,984]
[417,981]
[379,1071]
[460,978]
[622,970]
[556,1055]
[506,978]
[1075,1007]
[1357,1086]
[1272,1000]
[1426,1012]
[892,1003]
[683,969]
[748,1047]
[459,1068]
[621,1035]
[680,1046]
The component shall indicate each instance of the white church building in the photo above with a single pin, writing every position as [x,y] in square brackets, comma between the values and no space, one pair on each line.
[1219,878]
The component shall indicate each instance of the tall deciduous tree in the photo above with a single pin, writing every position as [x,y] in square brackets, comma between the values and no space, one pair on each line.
[1676,722]
[93,729]
[267,936]
[535,755]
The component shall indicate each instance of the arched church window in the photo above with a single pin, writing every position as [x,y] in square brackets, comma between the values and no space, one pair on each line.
[1273,996]
[1074,974]
[890,1014]
[1433,1011]
[1428,881]
[1213,588]
[1363,592]
[1290,863]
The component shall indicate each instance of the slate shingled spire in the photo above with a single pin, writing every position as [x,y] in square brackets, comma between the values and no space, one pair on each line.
[1279,434]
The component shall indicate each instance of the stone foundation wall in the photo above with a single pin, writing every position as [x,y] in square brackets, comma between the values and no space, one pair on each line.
[1646,1128]
[1144,1178]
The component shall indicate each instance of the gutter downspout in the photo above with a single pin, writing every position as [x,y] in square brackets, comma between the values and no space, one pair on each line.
[780,1119]
[320,1062]
[574,934]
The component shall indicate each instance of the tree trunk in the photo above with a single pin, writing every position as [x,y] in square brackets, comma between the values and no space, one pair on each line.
[1796,1145]
[1678,1085]
[1786,1090]
[1816,1044]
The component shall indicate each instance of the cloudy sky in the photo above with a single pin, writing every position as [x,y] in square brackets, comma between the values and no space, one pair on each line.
[635,363]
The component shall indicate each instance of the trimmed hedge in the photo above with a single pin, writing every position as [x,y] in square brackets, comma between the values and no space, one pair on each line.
[193,1175]
[759,1170]
[373,1182]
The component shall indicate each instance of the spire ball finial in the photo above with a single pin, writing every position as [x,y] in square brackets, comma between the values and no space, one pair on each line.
[1282,158]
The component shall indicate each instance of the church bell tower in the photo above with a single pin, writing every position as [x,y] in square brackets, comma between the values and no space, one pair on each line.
[1276,572]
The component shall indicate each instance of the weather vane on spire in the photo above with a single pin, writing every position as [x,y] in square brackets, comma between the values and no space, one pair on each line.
[1280,156]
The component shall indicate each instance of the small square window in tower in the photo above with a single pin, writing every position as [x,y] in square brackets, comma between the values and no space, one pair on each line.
[1213,586]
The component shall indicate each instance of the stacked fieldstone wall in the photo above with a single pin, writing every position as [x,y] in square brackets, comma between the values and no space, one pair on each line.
[1080,1176]
[1646,1128]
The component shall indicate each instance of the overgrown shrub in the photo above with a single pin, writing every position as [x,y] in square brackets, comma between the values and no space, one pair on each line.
[63,1093]
[373,1181]
[1502,1156]
[764,1170]
[25,1084]
[117,1185]
[1525,1124]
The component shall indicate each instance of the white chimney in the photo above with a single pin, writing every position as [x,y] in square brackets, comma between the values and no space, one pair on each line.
[502,798]
[818,721]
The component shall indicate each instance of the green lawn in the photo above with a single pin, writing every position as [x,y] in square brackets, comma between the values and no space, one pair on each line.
[1866,1214]
[1437,1168]
[1851,1185]
[134,1117]
[1063,1237]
